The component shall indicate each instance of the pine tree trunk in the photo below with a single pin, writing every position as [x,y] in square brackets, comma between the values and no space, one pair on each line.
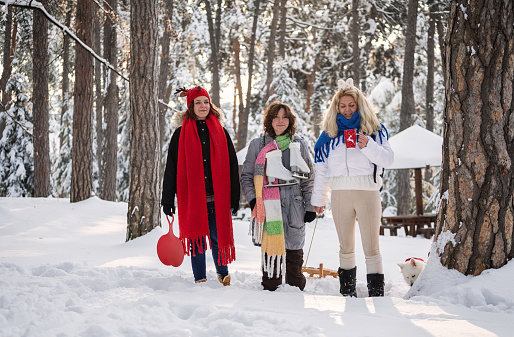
[242,131]
[237,73]
[430,78]
[6,73]
[65,86]
[476,216]
[97,31]
[430,70]
[164,68]
[311,79]
[408,105]
[282,30]
[440,34]
[110,143]
[40,108]
[82,148]
[356,60]
[143,209]
[371,17]
[271,49]
[214,42]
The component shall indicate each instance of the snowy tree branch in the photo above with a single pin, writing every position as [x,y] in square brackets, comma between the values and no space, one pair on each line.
[37,5]
[18,122]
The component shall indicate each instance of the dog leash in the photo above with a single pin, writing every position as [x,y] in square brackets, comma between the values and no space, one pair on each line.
[312,239]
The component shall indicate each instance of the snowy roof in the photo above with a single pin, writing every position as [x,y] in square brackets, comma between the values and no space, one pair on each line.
[416,147]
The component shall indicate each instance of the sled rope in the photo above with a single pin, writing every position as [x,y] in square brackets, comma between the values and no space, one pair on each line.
[312,239]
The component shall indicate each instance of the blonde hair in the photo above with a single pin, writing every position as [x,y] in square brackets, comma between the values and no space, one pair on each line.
[366,109]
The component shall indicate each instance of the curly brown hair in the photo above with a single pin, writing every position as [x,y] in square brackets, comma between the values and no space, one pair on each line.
[272,111]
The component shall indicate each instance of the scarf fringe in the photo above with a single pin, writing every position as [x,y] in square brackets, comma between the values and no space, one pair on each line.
[227,255]
[255,230]
[190,244]
[269,262]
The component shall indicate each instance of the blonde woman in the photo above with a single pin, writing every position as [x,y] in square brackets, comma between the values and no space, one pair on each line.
[350,156]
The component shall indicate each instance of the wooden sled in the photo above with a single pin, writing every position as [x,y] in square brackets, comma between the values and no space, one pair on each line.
[321,272]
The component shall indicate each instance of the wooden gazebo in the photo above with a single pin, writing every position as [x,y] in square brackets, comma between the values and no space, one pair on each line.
[414,148]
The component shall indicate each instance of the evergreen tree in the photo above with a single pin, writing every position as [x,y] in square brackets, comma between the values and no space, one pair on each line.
[16,143]
[286,91]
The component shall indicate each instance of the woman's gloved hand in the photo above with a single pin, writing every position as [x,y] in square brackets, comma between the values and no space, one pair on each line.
[309,216]
[168,209]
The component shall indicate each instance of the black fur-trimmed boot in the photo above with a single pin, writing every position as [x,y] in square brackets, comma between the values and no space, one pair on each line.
[348,280]
[375,285]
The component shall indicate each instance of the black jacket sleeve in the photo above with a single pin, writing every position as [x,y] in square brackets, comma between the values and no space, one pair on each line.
[235,188]
[169,184]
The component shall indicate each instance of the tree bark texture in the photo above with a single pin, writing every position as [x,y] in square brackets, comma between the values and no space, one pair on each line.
[242,131]
[408,105]
[371,17]
[65,86]
[110,142]
[82,153]
[214,34]
[97,31]
[282,30]
[40,108]
[144,193]
[430,70]
[237,74]
[7,60]
[356,60]
[476,214]
[271,49]
[164,68]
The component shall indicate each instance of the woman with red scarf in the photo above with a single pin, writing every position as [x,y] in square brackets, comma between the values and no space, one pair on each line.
[202,171]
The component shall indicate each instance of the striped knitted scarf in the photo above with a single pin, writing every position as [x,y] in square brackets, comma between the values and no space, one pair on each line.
[268,228]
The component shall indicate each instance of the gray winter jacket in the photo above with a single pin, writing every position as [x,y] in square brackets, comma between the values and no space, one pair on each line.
[295,199]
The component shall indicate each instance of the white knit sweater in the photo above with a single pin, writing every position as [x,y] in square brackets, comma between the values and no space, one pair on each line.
[351,169]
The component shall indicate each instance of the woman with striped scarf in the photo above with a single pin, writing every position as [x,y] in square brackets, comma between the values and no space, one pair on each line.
[279,213]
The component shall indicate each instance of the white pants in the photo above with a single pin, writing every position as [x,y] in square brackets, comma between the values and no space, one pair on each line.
[366,206]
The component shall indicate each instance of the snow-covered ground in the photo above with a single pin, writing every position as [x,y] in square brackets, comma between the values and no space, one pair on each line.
[66,270]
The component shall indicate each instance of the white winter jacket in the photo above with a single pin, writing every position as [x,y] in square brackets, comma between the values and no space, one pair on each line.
[351,169]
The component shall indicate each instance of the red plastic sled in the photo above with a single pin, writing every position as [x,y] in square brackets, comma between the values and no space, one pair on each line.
[169,248]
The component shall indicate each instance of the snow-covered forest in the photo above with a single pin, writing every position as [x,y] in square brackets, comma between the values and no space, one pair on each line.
[297,51]
[87,103]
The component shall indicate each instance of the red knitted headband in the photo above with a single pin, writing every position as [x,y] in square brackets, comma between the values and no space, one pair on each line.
[193,93]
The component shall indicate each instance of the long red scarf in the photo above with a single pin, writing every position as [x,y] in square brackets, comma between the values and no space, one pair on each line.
[191,197]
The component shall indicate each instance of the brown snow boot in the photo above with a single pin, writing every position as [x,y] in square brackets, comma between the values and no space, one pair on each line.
[294,262]
[225,281]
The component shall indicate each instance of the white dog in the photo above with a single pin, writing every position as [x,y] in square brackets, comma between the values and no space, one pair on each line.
[411,269]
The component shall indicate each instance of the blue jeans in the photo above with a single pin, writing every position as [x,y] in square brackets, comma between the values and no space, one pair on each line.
[198,259]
